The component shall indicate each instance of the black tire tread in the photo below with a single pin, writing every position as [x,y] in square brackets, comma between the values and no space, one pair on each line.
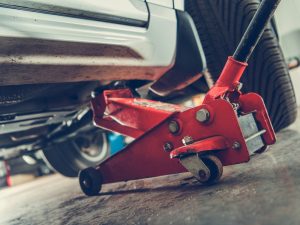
[60,158]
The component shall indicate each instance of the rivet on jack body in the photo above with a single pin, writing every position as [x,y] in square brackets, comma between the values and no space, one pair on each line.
[168,147]
[236,145]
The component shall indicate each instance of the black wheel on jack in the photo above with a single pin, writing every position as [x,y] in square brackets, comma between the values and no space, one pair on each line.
[215,168]
[90,181]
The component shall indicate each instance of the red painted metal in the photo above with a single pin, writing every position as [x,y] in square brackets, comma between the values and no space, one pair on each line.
[8,177]
[252,102]
[118,111]
[148,122]
[228,80]
[209,144]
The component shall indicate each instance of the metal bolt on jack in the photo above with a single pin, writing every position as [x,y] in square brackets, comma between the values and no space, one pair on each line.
[174,127]
[203,115]
[187,140]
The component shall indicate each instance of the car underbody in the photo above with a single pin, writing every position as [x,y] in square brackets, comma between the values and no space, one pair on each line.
[47,80]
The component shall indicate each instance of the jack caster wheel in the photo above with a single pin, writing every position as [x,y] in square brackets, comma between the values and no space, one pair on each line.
[207,169]
[90,181]
[215,168]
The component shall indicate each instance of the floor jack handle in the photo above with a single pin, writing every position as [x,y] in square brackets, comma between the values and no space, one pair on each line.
[255,30]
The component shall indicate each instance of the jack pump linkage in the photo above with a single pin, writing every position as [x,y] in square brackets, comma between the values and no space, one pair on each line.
[224,130]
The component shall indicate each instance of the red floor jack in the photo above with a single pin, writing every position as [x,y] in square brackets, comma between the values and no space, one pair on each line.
[224,130]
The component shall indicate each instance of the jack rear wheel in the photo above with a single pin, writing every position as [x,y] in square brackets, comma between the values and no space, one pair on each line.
[90,181]
[207,169]
[215,168]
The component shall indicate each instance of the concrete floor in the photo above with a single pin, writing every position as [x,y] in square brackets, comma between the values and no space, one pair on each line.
[264,191]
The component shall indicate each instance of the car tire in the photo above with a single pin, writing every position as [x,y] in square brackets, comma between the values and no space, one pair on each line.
[69,157]
[220,25]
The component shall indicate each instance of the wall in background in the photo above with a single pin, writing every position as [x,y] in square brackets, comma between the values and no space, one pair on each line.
[288,24]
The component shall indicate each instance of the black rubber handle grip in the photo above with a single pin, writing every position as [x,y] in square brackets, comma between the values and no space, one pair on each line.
[255,30]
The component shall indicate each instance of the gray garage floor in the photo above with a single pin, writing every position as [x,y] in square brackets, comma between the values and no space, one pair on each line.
[264,191]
